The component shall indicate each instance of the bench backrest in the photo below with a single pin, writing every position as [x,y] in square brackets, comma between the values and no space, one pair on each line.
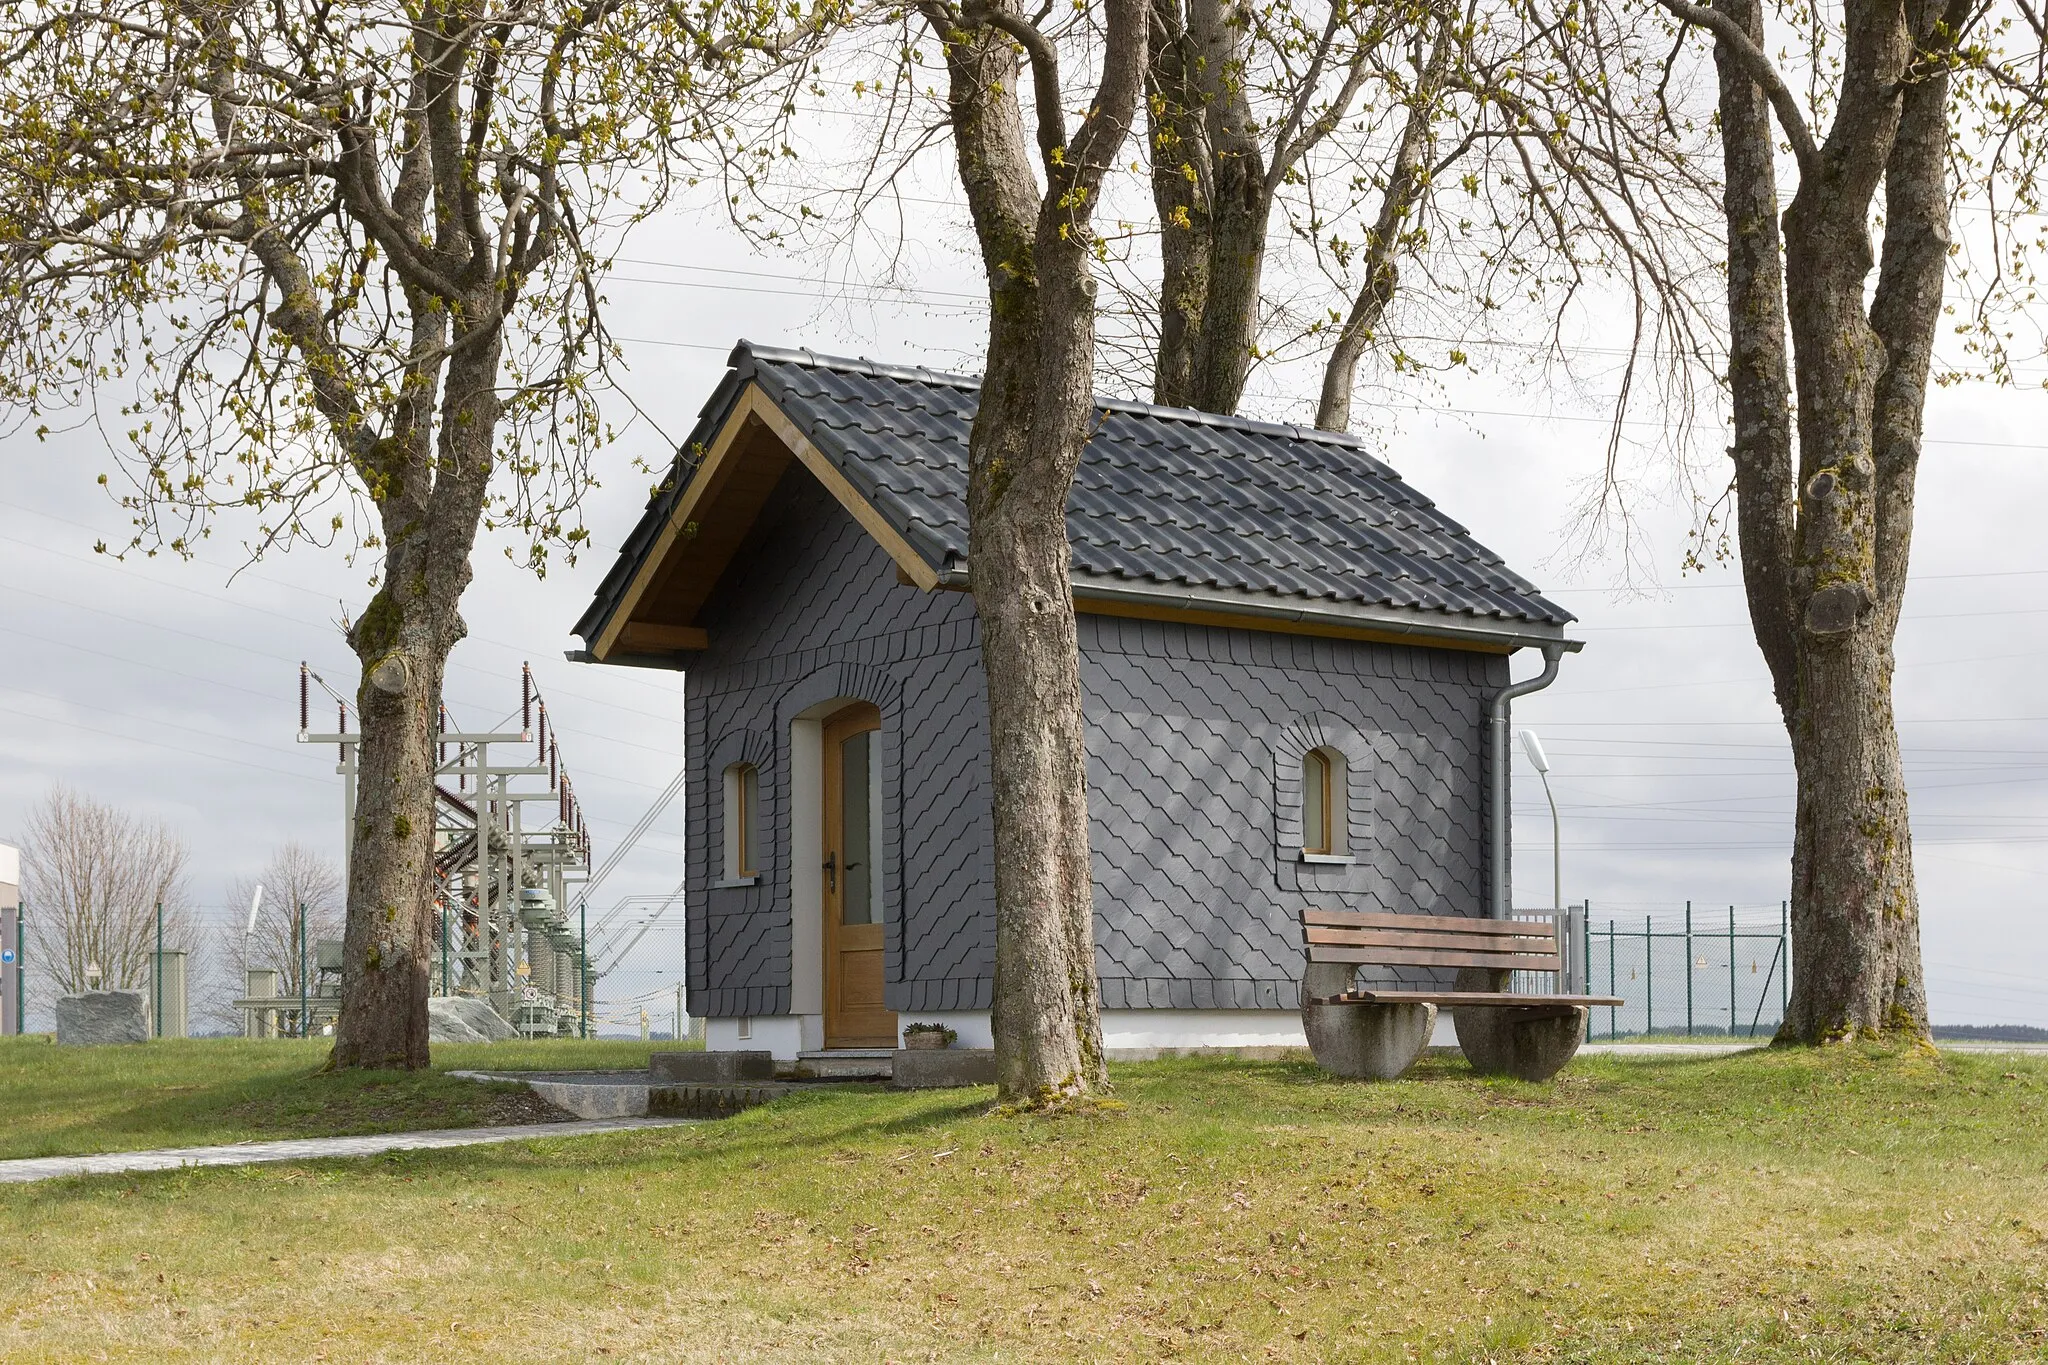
[1433,940]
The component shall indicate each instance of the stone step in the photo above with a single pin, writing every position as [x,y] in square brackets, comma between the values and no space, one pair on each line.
[711,1101]
[840,1064]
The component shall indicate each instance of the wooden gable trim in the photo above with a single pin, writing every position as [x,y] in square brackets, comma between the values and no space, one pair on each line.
[909,563]
[1161,611]
[1166,611]
[680,517]
[643,637]
[624,635]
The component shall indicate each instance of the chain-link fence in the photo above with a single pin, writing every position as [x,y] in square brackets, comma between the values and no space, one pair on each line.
[1686,971]
[638,991]
[1693,972]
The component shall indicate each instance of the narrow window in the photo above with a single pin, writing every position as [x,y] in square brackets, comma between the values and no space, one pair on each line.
[742,794]
[1316,792]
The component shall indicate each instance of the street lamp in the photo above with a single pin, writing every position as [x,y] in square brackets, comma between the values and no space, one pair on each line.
[1533,747]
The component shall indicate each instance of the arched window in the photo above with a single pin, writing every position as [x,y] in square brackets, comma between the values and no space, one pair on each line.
[1322,802]
[742,802]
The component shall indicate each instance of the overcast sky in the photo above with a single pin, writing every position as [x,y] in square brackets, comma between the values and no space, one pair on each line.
[170,688]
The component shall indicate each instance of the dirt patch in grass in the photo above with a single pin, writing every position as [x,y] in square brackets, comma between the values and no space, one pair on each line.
[306,1112]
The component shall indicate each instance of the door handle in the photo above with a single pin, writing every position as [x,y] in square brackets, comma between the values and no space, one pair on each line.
[831,871]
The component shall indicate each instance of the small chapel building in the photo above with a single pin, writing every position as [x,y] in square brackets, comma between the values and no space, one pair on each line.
[1289,657]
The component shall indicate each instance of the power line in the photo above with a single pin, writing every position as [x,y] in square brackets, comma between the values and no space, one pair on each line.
[117,565]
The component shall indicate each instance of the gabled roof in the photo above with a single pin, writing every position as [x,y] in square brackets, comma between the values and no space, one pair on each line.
[1171,508]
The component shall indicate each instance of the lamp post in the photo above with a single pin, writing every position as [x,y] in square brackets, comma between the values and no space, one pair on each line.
[1533,747]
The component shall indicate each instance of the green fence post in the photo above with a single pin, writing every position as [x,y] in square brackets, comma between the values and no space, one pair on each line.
[444,947]
[583,961]
[1586,923]
[1731,971]
[1688,969]
[1649,979]
[1611,1015]
[1785,977]
[21,967]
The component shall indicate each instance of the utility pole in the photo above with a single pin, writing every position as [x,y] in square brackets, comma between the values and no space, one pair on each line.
[158,1013]
[305,1019]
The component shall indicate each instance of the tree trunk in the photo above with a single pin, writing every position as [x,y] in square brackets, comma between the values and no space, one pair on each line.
[1237,265]
[1855,911]
[403,641]
[1181,189]
[1214,197]
[1824,556]
[388,942]
[1407,187]
[1036,401]
[1047,1017]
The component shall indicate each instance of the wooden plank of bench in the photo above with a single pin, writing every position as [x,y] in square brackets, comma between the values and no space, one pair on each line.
[1458,924]
[1497,999]
[1391,938]
[1433,957]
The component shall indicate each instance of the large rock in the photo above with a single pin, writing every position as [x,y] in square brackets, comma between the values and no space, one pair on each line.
[465,1019]
[103,1017]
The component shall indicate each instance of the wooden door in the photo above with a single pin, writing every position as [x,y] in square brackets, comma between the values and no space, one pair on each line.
[854,1013]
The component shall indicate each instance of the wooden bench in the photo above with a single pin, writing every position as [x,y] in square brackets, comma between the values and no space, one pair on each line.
[1379,1032]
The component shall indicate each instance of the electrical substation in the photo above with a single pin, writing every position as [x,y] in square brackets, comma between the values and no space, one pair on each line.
[511,853]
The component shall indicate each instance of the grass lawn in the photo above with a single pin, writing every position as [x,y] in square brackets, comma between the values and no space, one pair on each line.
[1844,1206]
[181,1093]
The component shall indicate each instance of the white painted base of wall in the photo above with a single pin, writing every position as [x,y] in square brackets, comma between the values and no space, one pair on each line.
[1177,1030]
[1146,1032]
[784,1035]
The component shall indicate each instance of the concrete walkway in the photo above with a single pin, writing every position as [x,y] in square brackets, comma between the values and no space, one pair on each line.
[1666,1048]
[1724,1049]
[307,1149]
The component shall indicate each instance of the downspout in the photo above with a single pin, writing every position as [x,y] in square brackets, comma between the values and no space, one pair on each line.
[1497,906]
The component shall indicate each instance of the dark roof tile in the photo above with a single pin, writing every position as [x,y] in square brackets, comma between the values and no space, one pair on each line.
[1163,495]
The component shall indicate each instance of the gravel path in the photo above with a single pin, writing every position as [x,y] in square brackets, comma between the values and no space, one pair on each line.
[306,1149]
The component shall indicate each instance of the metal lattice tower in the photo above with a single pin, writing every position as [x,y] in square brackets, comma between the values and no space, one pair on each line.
[510,850]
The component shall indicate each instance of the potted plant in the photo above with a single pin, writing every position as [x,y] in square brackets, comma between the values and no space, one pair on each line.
[928,1037]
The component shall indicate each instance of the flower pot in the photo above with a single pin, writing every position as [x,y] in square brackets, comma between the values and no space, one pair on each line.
[925,1042]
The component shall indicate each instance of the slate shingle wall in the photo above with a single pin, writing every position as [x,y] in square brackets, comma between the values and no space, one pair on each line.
[1195,737]
[812,605]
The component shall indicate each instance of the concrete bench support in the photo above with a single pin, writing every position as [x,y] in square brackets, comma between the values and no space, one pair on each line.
[1528,1044]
